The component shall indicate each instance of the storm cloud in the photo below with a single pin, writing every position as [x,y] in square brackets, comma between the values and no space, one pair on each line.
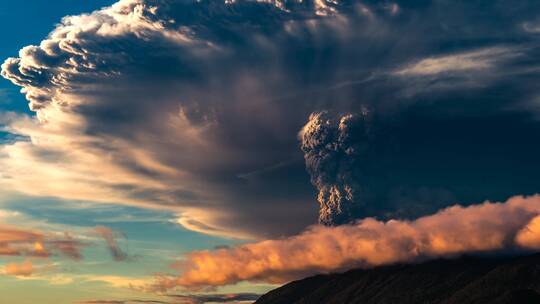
[195,107]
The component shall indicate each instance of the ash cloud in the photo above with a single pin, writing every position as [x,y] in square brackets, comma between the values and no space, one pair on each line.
[332,149]
[167,104]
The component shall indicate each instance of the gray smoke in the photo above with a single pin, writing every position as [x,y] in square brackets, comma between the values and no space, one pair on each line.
[332,149]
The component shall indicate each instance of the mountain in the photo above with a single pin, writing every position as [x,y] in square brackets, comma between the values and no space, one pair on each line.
[467,280]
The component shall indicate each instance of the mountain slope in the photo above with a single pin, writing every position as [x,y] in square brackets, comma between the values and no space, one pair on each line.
[458,281]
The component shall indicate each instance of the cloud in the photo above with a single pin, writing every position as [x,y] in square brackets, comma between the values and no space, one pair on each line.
[34,246]
[529,236]
[14,241]
[25,269]
[110,238]
[21,242]
[531,27]
[458,63]
[117,281]
[67,79]
[453,231]
[166,104]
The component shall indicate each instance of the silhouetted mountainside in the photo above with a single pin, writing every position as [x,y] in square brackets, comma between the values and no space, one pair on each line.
[468,280]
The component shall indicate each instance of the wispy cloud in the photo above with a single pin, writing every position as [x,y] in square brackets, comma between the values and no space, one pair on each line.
[21,242]
[532,27]
[463,62]
[110,238]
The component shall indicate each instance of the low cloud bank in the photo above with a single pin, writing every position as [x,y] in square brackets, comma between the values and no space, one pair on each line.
[514,224]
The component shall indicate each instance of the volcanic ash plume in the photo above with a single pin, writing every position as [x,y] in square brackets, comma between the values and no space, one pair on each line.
[331,149]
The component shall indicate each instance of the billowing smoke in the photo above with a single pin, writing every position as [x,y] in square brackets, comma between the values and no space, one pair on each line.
[332,149]
[487,227]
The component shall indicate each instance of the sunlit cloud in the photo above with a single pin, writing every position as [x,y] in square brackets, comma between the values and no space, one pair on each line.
[25,269]
[15,241]
[367,243]
[130,282]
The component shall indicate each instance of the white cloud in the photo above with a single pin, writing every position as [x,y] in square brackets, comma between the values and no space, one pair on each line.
[532,27]
[469,61]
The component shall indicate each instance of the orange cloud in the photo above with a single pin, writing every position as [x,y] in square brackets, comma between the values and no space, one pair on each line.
[26,242]
[529,236]
[369,242]
[15,241]
[25,269]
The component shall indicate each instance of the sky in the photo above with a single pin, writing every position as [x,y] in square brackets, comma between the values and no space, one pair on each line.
[176,151]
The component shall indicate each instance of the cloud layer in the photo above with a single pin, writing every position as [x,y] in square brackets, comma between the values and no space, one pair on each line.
[487,227]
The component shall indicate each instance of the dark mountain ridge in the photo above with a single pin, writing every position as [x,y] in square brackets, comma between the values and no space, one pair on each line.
[466,280]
